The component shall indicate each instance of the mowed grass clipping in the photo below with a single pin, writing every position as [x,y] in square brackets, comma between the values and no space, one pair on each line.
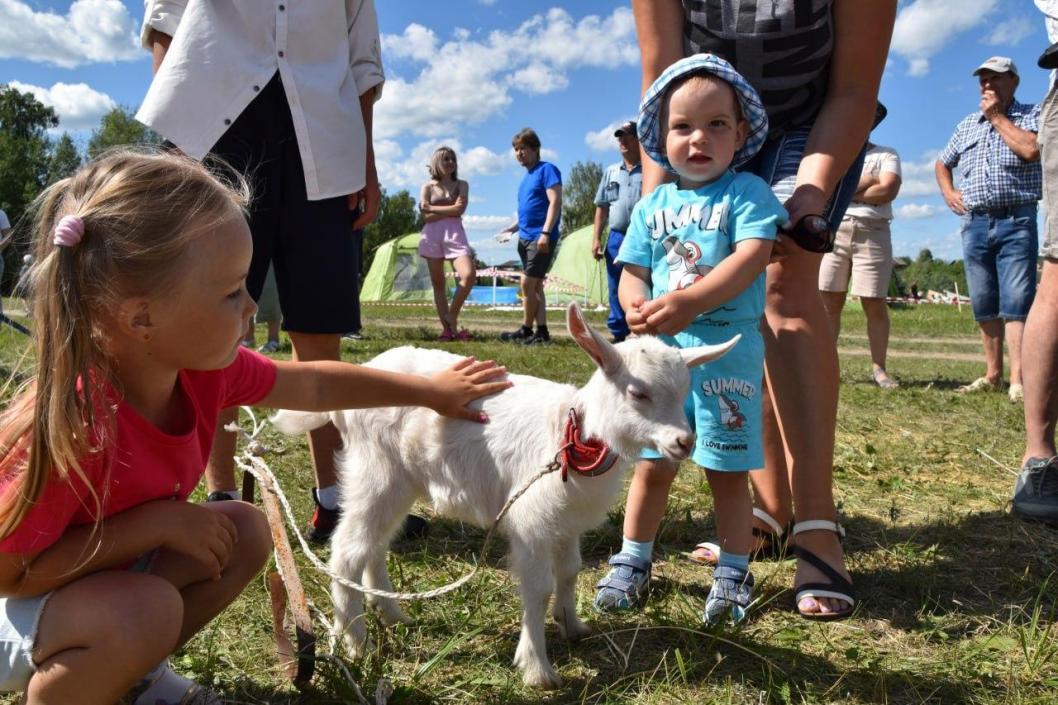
[958,600]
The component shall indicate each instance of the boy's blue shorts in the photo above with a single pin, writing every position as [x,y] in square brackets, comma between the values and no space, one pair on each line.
[724,406]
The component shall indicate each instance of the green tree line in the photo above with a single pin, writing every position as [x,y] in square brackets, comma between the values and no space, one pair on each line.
[32,157]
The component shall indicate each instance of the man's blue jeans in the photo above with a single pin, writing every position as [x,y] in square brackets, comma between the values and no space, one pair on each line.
[616,320]
[999,254]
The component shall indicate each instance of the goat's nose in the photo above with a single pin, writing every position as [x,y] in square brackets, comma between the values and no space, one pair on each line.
[686,442]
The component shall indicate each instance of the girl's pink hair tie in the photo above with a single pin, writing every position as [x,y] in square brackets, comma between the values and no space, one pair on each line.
[69,231]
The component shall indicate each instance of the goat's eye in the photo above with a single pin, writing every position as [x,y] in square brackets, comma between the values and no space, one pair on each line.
[638,394]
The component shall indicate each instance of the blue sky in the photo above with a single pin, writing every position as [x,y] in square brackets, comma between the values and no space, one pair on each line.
[471,73]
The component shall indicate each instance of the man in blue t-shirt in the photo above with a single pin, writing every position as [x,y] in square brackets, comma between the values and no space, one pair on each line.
[539,214]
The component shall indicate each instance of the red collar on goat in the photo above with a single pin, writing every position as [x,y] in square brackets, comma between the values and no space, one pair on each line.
[589,457]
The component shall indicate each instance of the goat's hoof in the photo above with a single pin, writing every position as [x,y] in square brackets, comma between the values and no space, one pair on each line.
[391,615]
[573,630]
[541,677]
[356,645]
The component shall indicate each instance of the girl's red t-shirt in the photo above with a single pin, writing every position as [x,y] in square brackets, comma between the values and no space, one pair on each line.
[144,463]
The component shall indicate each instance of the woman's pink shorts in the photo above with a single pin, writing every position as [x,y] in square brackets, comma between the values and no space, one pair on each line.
[444,239]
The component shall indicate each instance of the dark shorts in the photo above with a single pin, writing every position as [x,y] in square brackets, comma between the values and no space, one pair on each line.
[534,262]
[311,243]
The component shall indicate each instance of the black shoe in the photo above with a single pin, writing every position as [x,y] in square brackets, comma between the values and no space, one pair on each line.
[541,337]
[218,496]
[323,521]
[517,336]
[414,527]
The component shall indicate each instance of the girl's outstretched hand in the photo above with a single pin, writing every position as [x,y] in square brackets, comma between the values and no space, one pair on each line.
[206,536]
[464,382]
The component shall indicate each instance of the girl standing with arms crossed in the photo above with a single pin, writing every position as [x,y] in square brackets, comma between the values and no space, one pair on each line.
[139,299]
[443,201]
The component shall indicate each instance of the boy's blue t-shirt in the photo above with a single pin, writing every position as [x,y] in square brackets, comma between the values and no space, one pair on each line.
[532,200]
[680,235]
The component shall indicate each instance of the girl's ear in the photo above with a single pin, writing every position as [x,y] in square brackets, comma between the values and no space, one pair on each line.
[134,318]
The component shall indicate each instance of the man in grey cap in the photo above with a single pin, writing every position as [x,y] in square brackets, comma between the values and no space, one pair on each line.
[996,199]
[619,191]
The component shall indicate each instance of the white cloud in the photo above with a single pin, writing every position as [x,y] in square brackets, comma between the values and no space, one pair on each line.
[469,79]
[916,211]
[78,106]
[417,42]
[399,170]
[1012,31]
[489,223]
[603,140]
[918,178]
[924,27]
[538,78]
[91,31]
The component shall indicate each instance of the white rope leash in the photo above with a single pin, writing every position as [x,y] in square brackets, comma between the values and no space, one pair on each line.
[251,462]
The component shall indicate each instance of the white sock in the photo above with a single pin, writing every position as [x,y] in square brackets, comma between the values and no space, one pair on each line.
[328,497]
[166,687]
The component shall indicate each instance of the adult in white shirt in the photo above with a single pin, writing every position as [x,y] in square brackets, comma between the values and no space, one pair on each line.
[863,253]
[283,90]
[1036,489]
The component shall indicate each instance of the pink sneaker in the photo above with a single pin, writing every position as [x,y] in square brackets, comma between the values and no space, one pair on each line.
[447,335]
[463,334]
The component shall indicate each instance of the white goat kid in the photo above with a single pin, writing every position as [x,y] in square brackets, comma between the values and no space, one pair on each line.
[393,456]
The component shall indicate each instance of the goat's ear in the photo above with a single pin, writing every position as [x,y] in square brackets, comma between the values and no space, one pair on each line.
[597,347]
[295,423]
[706,353]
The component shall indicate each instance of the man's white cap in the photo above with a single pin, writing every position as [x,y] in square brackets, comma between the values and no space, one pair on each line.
[999,64]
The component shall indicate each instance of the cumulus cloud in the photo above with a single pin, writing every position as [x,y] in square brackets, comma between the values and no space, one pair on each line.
[1012,31]
[398,169]
[470,78]
[91,31]
[487,223]
[603,140]
[78,106]
[918,178]
[916,211]
[924,27]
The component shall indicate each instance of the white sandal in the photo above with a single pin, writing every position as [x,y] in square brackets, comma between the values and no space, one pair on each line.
[838,586]
[772,543]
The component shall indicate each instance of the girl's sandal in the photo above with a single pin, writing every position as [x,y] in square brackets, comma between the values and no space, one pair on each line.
[771,545]
[463,334]
[838,587]
[446,336]
[883,380]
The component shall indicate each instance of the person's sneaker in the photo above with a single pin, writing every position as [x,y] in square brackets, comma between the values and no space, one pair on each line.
[1036,490]
[981,384]
[355,335]
[1016,394]
[222,496]
[323,521]
[517,336]
[270,347]
[541,337]
[626,586]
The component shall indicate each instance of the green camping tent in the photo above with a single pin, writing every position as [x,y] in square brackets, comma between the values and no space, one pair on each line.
[575,274]
[398,273]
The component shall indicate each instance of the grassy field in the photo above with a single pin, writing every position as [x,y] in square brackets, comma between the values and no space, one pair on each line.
[958,600]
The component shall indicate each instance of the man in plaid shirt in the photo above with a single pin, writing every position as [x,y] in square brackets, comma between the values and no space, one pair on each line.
[1000,184]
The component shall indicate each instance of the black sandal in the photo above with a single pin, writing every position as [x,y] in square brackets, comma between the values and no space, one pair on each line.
[838,587]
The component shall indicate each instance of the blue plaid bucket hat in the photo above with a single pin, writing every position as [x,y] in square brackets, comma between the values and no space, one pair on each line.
[650,128]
